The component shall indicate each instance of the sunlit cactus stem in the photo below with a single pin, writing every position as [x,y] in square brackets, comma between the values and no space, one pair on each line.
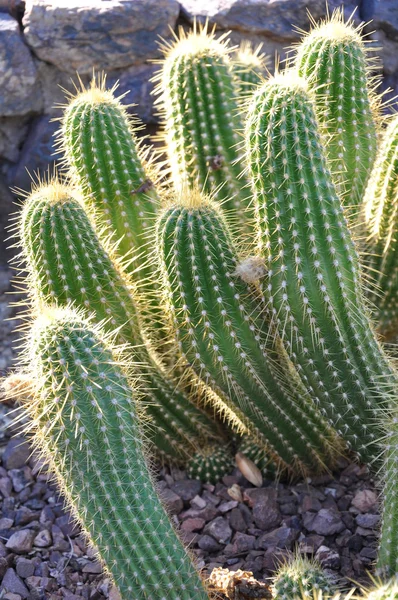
[334,60]
[83,420]
[106,159]
[217,324]
[198,99]
[249,66]
[381,215]
[313,283]
[67,264]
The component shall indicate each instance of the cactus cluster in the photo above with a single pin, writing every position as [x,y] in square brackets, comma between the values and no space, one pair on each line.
[235,267]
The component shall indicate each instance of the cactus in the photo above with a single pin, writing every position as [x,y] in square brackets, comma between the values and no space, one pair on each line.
[84,422]
[333,58]
[198,95]
[107,160]
[211,464]
[248,447]
[68,264]
[249,66]
[381,215]
[217,326]
[313,283]
[387,560]
[299,578]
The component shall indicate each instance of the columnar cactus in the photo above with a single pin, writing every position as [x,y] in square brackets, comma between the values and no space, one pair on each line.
[198,93]
[108,162]
[333,58]
[381,213]
[218,328]
[387,561]
[299,578]
[249,66]
[84,422]
[313,286]
[68,264]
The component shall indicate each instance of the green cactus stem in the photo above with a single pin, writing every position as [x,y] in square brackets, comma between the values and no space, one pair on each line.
[300,578]
[257,455]
[110,164]
[334,60]
[250,66]
[217,326]
[198,100]
[84,423]
[211,464]
[68,264]
[381,214]
[313,283]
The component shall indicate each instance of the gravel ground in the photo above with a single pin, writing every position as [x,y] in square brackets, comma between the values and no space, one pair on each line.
[232,524]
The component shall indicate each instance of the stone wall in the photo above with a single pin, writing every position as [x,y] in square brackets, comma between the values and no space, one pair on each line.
[44,43]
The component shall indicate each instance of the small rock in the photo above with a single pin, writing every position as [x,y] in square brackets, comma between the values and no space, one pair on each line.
[6,523]
[198,502]
[326,522]
[21,541]
[243,542]
[364,500]
[283,537]
[25,567]
[187,489]
[43,539]
[193,524]
[227,506]
[93,567]
[219,529]
[329,559]
[309,503]
[237,521]
[172,501]
[266,513]
[16,454]
[368,520]
[209,544]
[5,487]
[12,583]
[20,478]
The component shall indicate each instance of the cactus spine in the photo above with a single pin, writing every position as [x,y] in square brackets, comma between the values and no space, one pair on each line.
[333,59]
[211,464]
[381,213]
[218,330]
[68,264]
[84,421]
[198,95]
[313,283]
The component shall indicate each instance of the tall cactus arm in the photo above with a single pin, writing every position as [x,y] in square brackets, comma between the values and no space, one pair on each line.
[334,60]
[84,422]
[381,215]
[217,324]
[313,285]
[198,99]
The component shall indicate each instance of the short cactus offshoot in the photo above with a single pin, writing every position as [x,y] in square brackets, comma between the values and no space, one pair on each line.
[217,325]
[334,60]
[301,578]
[313,286]
[249,66]
[84,422]
[198,94]
[68,264]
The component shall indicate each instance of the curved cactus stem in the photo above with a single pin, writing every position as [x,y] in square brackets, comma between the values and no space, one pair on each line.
[381,215]
[218,327]
[84,422]
[198,101]
[334,60]
[112,167]
[68,264]
[313,284]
